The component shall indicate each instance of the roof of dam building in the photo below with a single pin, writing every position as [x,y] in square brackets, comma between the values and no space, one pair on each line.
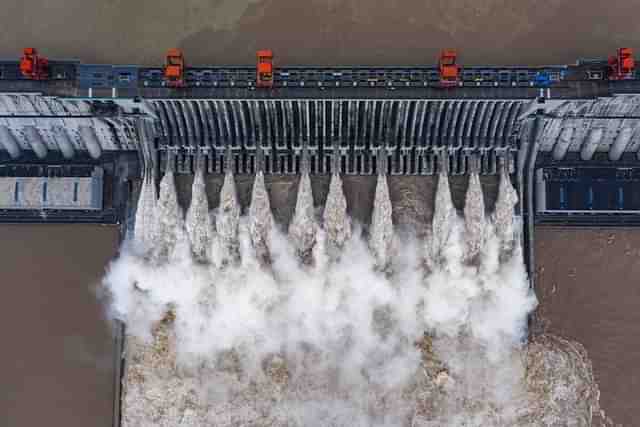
[413,133]
[44,125]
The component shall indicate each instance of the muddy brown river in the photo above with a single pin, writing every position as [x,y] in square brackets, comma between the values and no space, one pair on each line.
[57,357]
[587,281]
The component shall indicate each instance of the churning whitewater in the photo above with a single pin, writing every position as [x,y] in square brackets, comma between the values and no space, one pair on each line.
[232,322]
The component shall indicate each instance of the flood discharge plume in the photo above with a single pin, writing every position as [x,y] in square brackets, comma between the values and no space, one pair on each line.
[260,217]
[227,221]
[381,230]
[336,221]
[198,223]
[247,325]
[303,228]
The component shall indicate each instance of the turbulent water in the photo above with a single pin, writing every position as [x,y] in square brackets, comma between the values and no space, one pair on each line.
[198,224]
[227,222]
[474,219]
[145,213]
[337,223]
[260,218]
[168,225]
[303,227]
[231,322]
[381,233]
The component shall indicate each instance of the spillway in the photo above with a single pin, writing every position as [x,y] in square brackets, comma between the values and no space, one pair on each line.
[411,133]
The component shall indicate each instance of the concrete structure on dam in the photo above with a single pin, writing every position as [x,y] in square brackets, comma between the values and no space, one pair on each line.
[533,137]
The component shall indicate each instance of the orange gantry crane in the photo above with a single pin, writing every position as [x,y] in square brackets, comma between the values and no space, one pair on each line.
[174,68]
[622,65]
[449,70]
[33,66]
[264,70]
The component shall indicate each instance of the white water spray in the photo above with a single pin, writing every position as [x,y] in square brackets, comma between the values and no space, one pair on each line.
[278,343]
[227,221]
[145,214]
[198,223]
[381,232]
[337,223]
[503,217]
[168,230]
[445,224]
[475,224]
[303,227]
[260,217]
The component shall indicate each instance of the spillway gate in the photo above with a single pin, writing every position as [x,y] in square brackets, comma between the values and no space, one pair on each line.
[414,137]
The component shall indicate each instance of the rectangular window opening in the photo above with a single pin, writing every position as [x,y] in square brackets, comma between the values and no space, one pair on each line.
[44,192]
[75,192]
[620,198]
[563,197]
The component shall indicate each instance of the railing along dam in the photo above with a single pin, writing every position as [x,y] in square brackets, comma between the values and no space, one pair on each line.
[413,137]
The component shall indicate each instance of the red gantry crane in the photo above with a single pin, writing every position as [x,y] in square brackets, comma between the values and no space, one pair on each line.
[449,70]
[622,66]
[264,72]
[33,66]
[174,68]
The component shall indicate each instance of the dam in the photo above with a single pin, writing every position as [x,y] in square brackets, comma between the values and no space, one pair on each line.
[547,144]
[387,148]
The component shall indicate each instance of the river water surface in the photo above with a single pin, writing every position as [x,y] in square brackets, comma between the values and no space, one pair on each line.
[57,354]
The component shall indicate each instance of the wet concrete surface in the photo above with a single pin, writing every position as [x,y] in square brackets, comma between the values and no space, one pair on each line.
[587,284]
[321,31]
[57,357]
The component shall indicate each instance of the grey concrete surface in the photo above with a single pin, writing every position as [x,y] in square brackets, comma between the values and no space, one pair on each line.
[320,31]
